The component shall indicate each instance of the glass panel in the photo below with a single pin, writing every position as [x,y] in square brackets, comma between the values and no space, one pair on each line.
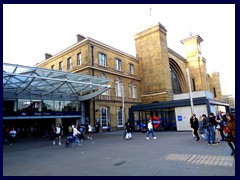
[36,105]
[119,114]
[24,105]
[48,106]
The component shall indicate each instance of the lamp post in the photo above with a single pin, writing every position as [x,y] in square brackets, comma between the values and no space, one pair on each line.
[123,114]
[190,90]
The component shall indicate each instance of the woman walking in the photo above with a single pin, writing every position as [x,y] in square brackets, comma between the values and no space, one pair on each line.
[231,133]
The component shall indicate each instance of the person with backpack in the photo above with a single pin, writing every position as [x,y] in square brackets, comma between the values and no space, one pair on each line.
[205,122]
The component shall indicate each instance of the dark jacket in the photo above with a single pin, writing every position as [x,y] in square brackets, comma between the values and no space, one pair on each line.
[195,123]
[128,128]
[212,121]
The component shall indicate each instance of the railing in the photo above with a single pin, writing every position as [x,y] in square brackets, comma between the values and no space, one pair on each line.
[115,98]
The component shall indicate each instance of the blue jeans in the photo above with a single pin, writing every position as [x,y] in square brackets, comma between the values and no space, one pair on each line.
[211,134]
[76,139]
[150,131]
[206,133]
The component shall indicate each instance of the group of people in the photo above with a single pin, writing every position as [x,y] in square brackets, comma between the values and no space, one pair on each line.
[76,133]
[128,130]
[210,127]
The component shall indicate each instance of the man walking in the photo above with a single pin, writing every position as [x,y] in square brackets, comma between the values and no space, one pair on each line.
[195,126]
[150,130]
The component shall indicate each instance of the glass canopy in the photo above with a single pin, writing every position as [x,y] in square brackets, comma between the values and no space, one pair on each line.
[32,82]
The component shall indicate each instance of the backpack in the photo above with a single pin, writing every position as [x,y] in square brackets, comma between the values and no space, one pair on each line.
[206,123]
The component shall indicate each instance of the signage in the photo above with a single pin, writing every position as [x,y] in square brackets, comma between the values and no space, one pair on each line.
[179,118]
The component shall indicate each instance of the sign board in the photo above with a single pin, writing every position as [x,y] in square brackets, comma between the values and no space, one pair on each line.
[179,118]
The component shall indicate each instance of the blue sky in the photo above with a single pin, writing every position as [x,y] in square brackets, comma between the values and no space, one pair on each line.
[30,31]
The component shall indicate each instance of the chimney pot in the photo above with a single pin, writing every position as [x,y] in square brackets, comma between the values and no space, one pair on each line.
[80,37]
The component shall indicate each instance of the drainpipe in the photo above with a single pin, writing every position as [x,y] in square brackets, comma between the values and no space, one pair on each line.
[93,75]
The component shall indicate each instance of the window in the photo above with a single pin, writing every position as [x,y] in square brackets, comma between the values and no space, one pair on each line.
[104,116]
[60,65]
[119,117]
[131,69]
[193,83]
[102,59]
[175,82]
[79,59]
[69,63]
[106,93]
[214,92]
[52,66]
[118,87]
[132,90]
[118,64]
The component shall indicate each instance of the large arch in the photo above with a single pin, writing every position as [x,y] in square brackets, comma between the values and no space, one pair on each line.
[179,75]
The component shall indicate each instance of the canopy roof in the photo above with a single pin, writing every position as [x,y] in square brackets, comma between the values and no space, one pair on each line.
[38,83]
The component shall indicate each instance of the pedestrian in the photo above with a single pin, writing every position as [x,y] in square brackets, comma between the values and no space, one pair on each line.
[75,135]
[205,122]
[53,133]
[191,125]
[97,126]
[211,129]
[90,131]
[58,135]
[12,136]
[125,130]
[195,126]
[128,131]
[223,123]
[150,130]
[231,133]
[70,130]
[109,127]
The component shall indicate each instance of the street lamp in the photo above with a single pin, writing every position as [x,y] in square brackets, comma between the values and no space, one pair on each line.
[123,117]
[190,90]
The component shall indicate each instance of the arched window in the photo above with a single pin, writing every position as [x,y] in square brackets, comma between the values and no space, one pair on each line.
[104,116]
[175,82]
[119,117]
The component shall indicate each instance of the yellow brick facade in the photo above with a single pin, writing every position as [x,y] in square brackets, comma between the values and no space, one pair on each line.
[153,69]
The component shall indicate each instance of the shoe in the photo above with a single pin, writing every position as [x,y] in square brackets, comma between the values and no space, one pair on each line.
[10,144]
[209,144]
[214,143]
[154,137]
[233,153]
[198,140]
[147,137]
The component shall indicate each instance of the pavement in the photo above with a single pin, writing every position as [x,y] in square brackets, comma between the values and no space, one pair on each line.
[107,154]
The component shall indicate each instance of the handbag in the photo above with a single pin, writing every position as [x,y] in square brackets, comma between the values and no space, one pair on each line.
[226,130]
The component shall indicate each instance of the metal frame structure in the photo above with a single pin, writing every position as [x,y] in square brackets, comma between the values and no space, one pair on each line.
[38,83]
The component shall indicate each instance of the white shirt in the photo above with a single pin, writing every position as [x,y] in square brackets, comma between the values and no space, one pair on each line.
[89,128]
[75,131]
[150,125]
[58,130]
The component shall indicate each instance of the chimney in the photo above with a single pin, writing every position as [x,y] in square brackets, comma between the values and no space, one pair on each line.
[80,37]
[47,56]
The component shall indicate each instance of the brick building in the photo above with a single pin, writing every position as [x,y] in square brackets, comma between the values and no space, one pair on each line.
[155,75]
